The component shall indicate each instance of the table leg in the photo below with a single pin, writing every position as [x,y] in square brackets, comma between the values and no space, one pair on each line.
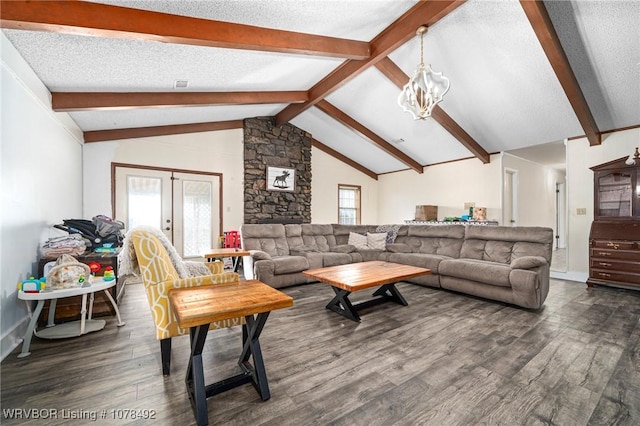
[341,304]
[251,348]
[195,375]
[52,313]
[91,299]
[115,307]
[83,313]
[391,293]
[26,342]
[236,261]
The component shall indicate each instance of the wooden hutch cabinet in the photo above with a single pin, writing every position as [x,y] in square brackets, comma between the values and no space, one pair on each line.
[614,240]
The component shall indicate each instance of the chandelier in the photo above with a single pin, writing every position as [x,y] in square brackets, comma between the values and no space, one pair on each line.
[425,89]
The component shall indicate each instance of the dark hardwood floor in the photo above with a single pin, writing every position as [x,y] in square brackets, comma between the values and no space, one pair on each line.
[446,359]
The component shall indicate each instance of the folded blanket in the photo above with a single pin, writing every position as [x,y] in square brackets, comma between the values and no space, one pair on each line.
[128,263]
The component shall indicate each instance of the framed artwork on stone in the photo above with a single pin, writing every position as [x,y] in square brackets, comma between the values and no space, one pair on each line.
[281,179]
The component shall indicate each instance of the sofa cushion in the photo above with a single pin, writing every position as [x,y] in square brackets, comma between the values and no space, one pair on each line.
[343,248]
[359,241]
[289,264]
[377,241]
[399,248]
[483,271]
[333,259]
[430,261]
[369,255]
[319,236]
[300,250]
[270,238]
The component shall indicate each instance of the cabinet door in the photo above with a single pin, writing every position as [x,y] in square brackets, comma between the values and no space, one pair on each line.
[615,195]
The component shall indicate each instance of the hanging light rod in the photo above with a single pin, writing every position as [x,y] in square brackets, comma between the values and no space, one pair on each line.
[425,89]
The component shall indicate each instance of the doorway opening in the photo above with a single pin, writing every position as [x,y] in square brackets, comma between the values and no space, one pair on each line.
[510,209]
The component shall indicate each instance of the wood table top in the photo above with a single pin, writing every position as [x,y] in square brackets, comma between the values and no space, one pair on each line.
[226,252]
[203,305]
[358,276]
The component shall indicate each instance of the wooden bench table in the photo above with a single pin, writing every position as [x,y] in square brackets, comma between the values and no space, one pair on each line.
[197,307]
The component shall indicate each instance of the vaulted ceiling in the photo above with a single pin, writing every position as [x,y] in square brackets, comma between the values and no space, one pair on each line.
[523,73]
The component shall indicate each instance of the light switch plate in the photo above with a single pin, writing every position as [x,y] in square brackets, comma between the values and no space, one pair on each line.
[581,211]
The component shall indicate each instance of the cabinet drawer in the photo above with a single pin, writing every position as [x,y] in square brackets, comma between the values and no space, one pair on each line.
[610,254]
[615,245]
[622,277]
[615,265]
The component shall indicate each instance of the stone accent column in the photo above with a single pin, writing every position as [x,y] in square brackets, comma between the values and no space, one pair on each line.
[285,146]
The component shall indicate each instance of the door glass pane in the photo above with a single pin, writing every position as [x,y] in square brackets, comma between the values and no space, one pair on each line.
[197,212]
[144,201]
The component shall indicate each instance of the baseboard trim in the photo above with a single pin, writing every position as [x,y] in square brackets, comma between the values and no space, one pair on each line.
[580,277]
[13,337]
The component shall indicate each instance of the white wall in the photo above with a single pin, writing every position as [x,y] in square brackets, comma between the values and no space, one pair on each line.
[41,180]
[220,152]
[447,186]
[580,157]
[328,172]
[536,192]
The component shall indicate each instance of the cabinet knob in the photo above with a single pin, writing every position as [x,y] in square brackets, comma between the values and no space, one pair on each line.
[605,264]
[602,274]
[614,245]
[604,253]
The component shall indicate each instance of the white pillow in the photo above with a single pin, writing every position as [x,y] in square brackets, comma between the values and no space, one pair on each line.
[359,241]
[377,241]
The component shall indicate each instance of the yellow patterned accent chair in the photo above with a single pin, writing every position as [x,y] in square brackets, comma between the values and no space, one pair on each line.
[159,276]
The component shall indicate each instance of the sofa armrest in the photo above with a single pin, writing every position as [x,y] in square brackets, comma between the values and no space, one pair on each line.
[343,248]
[259,255]
[399,248]
[528,262]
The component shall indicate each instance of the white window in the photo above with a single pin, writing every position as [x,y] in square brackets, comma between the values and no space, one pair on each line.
[349,204]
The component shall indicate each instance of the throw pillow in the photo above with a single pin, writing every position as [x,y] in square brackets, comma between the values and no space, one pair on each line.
[391,230]
[377,241]
[359,241]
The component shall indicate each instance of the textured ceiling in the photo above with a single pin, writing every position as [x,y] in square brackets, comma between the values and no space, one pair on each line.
[504,92]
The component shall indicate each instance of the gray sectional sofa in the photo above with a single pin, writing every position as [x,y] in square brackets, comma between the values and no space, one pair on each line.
[508,264]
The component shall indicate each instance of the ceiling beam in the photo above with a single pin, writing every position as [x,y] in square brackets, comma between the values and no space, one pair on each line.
[143,132]
[543,27]
[399,78]
[102,20]
[363,131]
[94,101]
[395,35]
[335,154]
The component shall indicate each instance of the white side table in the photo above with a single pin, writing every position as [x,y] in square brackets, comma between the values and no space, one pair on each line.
[70,329]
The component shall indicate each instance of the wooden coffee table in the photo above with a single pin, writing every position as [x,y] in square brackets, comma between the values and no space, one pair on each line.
[345,279]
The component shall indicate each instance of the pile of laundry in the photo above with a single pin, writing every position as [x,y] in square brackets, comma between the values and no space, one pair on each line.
[71,244]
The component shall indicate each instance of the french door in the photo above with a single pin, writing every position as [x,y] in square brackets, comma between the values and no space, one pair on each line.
[184,205]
